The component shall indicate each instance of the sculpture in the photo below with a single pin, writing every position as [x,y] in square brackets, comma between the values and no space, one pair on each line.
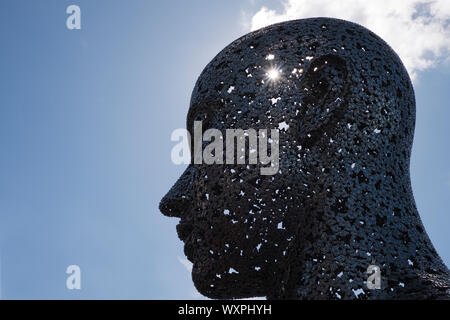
[342,198]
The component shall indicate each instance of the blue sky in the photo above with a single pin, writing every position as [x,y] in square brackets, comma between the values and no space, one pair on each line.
[85,123]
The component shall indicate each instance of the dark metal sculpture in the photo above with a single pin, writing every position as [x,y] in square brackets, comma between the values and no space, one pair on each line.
[342,198]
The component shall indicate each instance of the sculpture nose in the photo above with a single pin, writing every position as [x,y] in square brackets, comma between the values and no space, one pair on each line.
[178,201]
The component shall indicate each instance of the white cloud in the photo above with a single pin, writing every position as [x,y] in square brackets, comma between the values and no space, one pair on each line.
[418,30]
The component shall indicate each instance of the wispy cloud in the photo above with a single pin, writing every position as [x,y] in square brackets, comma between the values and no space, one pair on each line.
[186,263]
[418,30]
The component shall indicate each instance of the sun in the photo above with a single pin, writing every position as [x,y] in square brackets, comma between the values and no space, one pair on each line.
[273,74]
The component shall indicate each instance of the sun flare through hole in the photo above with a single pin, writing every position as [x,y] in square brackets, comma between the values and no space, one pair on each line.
[273,74]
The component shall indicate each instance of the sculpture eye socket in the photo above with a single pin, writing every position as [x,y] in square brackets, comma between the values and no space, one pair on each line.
[203,112]
[200,112]
[204,117]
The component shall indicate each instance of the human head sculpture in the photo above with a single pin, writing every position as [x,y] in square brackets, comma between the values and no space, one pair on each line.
[341,198]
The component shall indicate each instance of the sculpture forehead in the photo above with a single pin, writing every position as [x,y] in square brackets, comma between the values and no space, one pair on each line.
[238,75]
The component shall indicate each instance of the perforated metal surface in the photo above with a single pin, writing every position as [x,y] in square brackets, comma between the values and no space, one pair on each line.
[342,198]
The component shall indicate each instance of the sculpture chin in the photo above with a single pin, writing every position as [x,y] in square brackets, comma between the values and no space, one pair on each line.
[229,285]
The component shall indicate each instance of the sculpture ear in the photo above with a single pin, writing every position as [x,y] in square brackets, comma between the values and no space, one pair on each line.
[325,89]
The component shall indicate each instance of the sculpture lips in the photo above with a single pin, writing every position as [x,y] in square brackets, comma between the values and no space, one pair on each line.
[184,230]
[189,252]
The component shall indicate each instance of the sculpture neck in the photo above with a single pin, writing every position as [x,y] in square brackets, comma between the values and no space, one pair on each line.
[342,234]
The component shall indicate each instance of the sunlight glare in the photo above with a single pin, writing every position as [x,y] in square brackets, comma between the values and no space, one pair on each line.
[273,74]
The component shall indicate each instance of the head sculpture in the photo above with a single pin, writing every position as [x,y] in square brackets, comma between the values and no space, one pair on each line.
[340,199]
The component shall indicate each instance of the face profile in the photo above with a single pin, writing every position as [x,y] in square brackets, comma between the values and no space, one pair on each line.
[340,198]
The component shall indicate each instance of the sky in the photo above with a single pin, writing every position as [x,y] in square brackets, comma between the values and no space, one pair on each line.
[86,118]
